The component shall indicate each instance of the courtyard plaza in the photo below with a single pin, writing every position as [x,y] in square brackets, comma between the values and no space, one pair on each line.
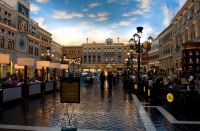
[113,109]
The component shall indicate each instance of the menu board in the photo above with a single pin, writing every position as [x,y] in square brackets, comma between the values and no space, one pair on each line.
[70,90]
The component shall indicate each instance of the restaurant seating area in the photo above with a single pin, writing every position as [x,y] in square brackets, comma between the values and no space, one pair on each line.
[12,93]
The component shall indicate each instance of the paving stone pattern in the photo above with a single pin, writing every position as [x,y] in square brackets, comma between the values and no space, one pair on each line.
[99,109]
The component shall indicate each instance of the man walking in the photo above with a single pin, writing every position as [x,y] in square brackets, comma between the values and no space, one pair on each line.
[102,79]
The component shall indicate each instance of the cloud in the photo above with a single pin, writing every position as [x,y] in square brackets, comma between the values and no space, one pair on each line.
[147,31]
[66,15]
[121,2]
[99,34]
[102,16]
[143,7]
[76,35]
[181,3]
[136,12]
[168,14]
[66,1]
[92,5]
[111,1]
[41,22]
[85,10]
[34,8]
[122,23]
[68,35]
[144,4]
[42,1]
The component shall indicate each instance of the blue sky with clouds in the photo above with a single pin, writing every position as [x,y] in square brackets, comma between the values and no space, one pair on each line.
[72,21]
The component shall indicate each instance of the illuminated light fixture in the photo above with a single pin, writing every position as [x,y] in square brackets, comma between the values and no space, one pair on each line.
[54,65]
[25,61]
[18,67]
[63,66]
[4,59]
[40,64]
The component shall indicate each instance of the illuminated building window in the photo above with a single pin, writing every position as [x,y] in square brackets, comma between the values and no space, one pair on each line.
[190,61]
[197,52]
[190,53]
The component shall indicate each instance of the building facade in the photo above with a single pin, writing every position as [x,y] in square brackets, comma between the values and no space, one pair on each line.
[56,49]
[19,35]
[153,55]
[108,56]
[72,55]
[166,50]
[186,38]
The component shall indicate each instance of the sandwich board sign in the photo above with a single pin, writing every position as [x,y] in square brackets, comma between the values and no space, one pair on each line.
[70,90]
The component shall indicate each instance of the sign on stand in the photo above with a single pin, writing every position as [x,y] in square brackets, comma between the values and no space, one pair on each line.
[70,90]
[69,93]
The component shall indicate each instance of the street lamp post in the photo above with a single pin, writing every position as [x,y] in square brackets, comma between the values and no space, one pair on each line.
[130,59]
[47,55]
[113,64]
[138,47]
[126,62]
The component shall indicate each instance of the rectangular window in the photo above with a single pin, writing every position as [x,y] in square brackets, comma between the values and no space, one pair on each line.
[9,46]
[85,50]
[85,59]
[186,35]
[2,42]
[89,59]
[94,58]
[99,59]
[13,44]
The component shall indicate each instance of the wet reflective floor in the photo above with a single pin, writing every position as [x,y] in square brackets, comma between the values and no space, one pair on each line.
[108,109]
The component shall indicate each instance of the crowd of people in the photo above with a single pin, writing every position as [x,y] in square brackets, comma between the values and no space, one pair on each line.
[14,80]
[157,81]
[111,78]
[186,80]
